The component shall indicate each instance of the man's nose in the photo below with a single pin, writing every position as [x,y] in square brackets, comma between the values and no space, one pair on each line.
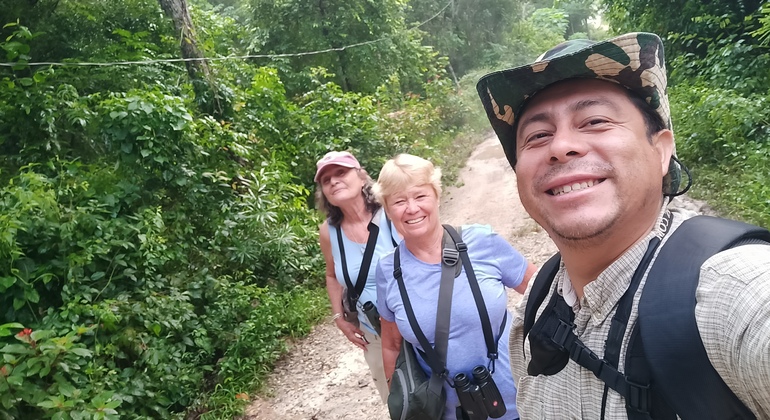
[565,145]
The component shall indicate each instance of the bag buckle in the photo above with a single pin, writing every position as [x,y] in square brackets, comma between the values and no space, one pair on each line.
[561,334]
[450,256]
[638,397]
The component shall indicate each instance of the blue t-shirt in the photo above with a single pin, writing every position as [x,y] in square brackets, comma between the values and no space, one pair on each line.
[497,265]
[354,255]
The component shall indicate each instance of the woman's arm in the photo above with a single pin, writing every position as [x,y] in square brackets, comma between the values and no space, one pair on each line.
[334,289]
[531,270]
[391,345]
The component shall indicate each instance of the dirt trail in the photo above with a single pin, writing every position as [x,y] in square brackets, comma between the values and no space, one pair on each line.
[325,377]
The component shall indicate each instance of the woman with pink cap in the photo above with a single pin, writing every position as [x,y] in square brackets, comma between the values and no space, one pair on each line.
[354,236]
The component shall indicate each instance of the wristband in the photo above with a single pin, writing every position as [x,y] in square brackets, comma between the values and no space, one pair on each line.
[336,316]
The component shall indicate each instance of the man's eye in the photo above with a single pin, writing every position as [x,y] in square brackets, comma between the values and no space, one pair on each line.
[595,121]
[537,136]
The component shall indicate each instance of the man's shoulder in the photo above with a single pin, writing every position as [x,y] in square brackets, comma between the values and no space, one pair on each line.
[743,262]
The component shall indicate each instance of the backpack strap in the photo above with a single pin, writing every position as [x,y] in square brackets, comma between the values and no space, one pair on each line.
[435,356]
[539,290]
[486,325]
[667,370]
[671,342]
[354,292]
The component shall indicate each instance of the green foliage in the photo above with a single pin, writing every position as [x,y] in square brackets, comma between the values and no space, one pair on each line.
[256,322]
[723,135]
[667,16]
[160,257]
[718,89]
[38,377]
[469,32]
[732,59]
[542,30]
[291,26]
[578,12]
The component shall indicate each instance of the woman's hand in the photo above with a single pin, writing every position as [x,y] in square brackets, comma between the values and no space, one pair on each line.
[355,335]
[391,346]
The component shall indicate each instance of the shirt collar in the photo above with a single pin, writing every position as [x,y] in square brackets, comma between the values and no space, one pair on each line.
[602,294]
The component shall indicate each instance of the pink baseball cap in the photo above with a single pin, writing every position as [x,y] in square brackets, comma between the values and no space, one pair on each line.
[343,159]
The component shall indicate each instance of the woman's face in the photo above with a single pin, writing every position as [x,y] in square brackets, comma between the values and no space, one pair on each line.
[340,184]
[414,211]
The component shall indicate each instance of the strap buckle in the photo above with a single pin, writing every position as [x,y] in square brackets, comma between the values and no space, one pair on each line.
[638,397]
[562,333]
[450,256]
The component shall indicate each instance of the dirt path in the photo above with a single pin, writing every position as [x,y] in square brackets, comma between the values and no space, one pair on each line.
[325,377]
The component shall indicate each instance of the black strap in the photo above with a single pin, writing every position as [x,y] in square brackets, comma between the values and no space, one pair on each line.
[430,354]
[667,323]
[665,344]
[390,229]
[486,325]
[619,324]
[539,290]
[354,292]
[444,301]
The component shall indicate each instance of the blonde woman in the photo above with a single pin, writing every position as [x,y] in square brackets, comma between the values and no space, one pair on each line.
[409,188]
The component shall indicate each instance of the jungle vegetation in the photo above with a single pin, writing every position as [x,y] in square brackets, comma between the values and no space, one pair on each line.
[157,228]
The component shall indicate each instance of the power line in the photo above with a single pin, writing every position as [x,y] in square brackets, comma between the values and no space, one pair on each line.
[229,57]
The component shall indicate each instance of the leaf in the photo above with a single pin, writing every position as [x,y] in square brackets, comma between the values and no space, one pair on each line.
[6,282]
[32,295]
[5,329]
[15,380]
[82,352]
[17,349]
[98,275]
[18,303]
[66,389]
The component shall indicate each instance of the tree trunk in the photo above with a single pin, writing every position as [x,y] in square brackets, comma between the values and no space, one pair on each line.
[197,67]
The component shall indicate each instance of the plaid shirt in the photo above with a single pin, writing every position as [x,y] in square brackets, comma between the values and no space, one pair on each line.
[733,317]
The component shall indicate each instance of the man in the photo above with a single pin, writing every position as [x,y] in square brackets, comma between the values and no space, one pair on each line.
[587,130]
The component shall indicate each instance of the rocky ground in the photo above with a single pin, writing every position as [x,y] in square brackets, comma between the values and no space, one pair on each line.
[325,377]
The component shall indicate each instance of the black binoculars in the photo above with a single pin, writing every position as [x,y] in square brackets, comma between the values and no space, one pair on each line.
[479,396]
[373,315]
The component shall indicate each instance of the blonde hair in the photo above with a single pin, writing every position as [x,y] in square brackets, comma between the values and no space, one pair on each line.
[404,171]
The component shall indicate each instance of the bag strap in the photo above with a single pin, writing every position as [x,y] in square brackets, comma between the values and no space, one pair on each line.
[366,262]
[390,229]
[444,311]
[539,290]
[665,347]
[486,325]
[671,341]
[431,356]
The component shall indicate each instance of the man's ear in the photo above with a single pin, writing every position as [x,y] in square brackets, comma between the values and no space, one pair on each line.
[663,142]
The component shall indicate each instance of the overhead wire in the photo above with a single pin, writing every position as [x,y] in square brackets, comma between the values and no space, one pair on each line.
[229,57]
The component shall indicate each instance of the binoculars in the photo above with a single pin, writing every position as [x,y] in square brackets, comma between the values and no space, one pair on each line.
[373,315]
[479,396]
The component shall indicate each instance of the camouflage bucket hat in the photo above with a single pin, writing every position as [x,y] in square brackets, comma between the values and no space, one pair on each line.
[634,61]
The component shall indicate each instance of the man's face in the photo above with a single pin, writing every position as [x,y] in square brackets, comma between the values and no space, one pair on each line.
[586,168]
